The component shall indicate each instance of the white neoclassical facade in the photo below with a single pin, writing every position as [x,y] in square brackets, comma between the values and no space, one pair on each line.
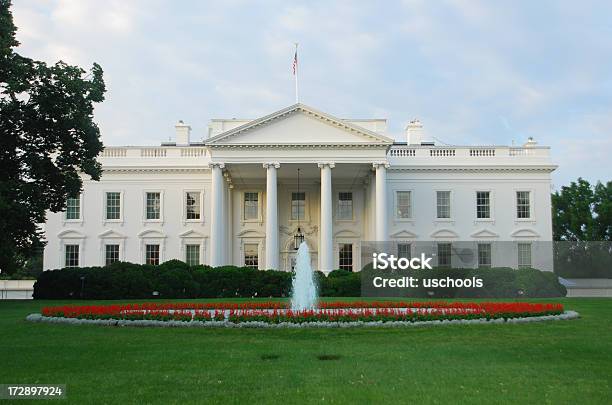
[241,195]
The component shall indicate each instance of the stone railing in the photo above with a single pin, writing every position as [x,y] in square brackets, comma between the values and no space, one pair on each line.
[153,152]
[114,152]
[471,152]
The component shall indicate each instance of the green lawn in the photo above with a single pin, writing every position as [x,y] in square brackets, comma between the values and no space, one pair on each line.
[552,362]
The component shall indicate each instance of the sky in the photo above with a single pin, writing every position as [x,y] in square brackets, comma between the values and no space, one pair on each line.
[474,72]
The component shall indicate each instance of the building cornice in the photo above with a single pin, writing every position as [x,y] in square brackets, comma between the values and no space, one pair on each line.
[392,168]
[487,168]
[153,169]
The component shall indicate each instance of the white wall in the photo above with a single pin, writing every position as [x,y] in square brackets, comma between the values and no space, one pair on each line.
[88,231]
[463,225]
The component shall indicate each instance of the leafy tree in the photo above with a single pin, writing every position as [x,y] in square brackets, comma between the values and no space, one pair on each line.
[602,207]
[48,140]
[582,212]
[582,221]
[573,212]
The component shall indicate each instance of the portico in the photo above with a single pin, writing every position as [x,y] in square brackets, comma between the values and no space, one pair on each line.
[331,154]
[314,208]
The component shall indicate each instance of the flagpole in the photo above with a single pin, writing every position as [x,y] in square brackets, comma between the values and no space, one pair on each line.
[297,98]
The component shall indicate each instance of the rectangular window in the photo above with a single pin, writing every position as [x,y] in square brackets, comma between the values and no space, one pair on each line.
[113,205]
[524,255]
[192,255]
[404,205]
[251,205]
[345,206]
[153,205]
[73,208]
[111,254]
[72,255]
[443,204]
[523,208]
[152,254]
[298,205]
[444,255]
[483,204]
[404,250]
[345,258]
[192,205]
[484,255]
[251,255]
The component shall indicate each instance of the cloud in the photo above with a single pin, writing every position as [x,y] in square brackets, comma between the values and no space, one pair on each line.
[472,71]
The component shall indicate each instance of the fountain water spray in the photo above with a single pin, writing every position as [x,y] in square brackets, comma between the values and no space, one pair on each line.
[304,292]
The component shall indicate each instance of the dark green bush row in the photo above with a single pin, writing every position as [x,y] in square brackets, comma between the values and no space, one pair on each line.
[498,282]
[172,279]
[175,279]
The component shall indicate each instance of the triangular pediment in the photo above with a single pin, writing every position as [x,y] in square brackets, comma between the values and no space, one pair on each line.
[111,234]
[484,234]
[298,125]
[404,234]
[250,233]
[151,233]
[192,234]
[444,234]
[70,234]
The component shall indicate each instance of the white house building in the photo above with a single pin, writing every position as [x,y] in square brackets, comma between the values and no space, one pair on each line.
[235,198]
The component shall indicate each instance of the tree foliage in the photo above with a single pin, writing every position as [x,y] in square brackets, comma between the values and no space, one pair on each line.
[48,140]
[582,212]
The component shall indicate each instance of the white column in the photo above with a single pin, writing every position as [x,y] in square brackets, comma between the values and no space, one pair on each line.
[216,215]
[223,219]
[326,250]
[382,219]
[272,252]
[229,237]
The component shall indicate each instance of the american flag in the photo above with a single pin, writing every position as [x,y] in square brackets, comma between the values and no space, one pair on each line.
[295,63]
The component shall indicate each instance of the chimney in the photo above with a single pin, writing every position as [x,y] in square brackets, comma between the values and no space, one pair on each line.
[414,132]
[182,133]
[530,143]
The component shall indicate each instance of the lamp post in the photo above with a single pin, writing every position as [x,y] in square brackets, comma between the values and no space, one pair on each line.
[82,285]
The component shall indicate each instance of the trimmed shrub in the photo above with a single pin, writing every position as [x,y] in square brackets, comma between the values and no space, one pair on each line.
[171,279]
[339,273]
[340,283]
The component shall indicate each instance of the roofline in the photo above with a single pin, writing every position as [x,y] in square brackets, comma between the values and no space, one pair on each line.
[396,143]
[342,119]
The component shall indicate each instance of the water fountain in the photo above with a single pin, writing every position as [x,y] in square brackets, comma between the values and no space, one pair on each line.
[304,291]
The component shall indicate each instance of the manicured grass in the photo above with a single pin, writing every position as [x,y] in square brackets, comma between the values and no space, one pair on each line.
[552,362]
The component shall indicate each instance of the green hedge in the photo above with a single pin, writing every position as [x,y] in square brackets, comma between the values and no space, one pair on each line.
[175,279]
[172,279]
[498,282]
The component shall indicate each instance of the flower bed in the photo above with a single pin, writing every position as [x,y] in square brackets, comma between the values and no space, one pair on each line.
[328,312]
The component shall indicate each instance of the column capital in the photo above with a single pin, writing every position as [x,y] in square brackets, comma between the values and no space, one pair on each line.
[216,164]
[268,165]
[321,165]
[384,164]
